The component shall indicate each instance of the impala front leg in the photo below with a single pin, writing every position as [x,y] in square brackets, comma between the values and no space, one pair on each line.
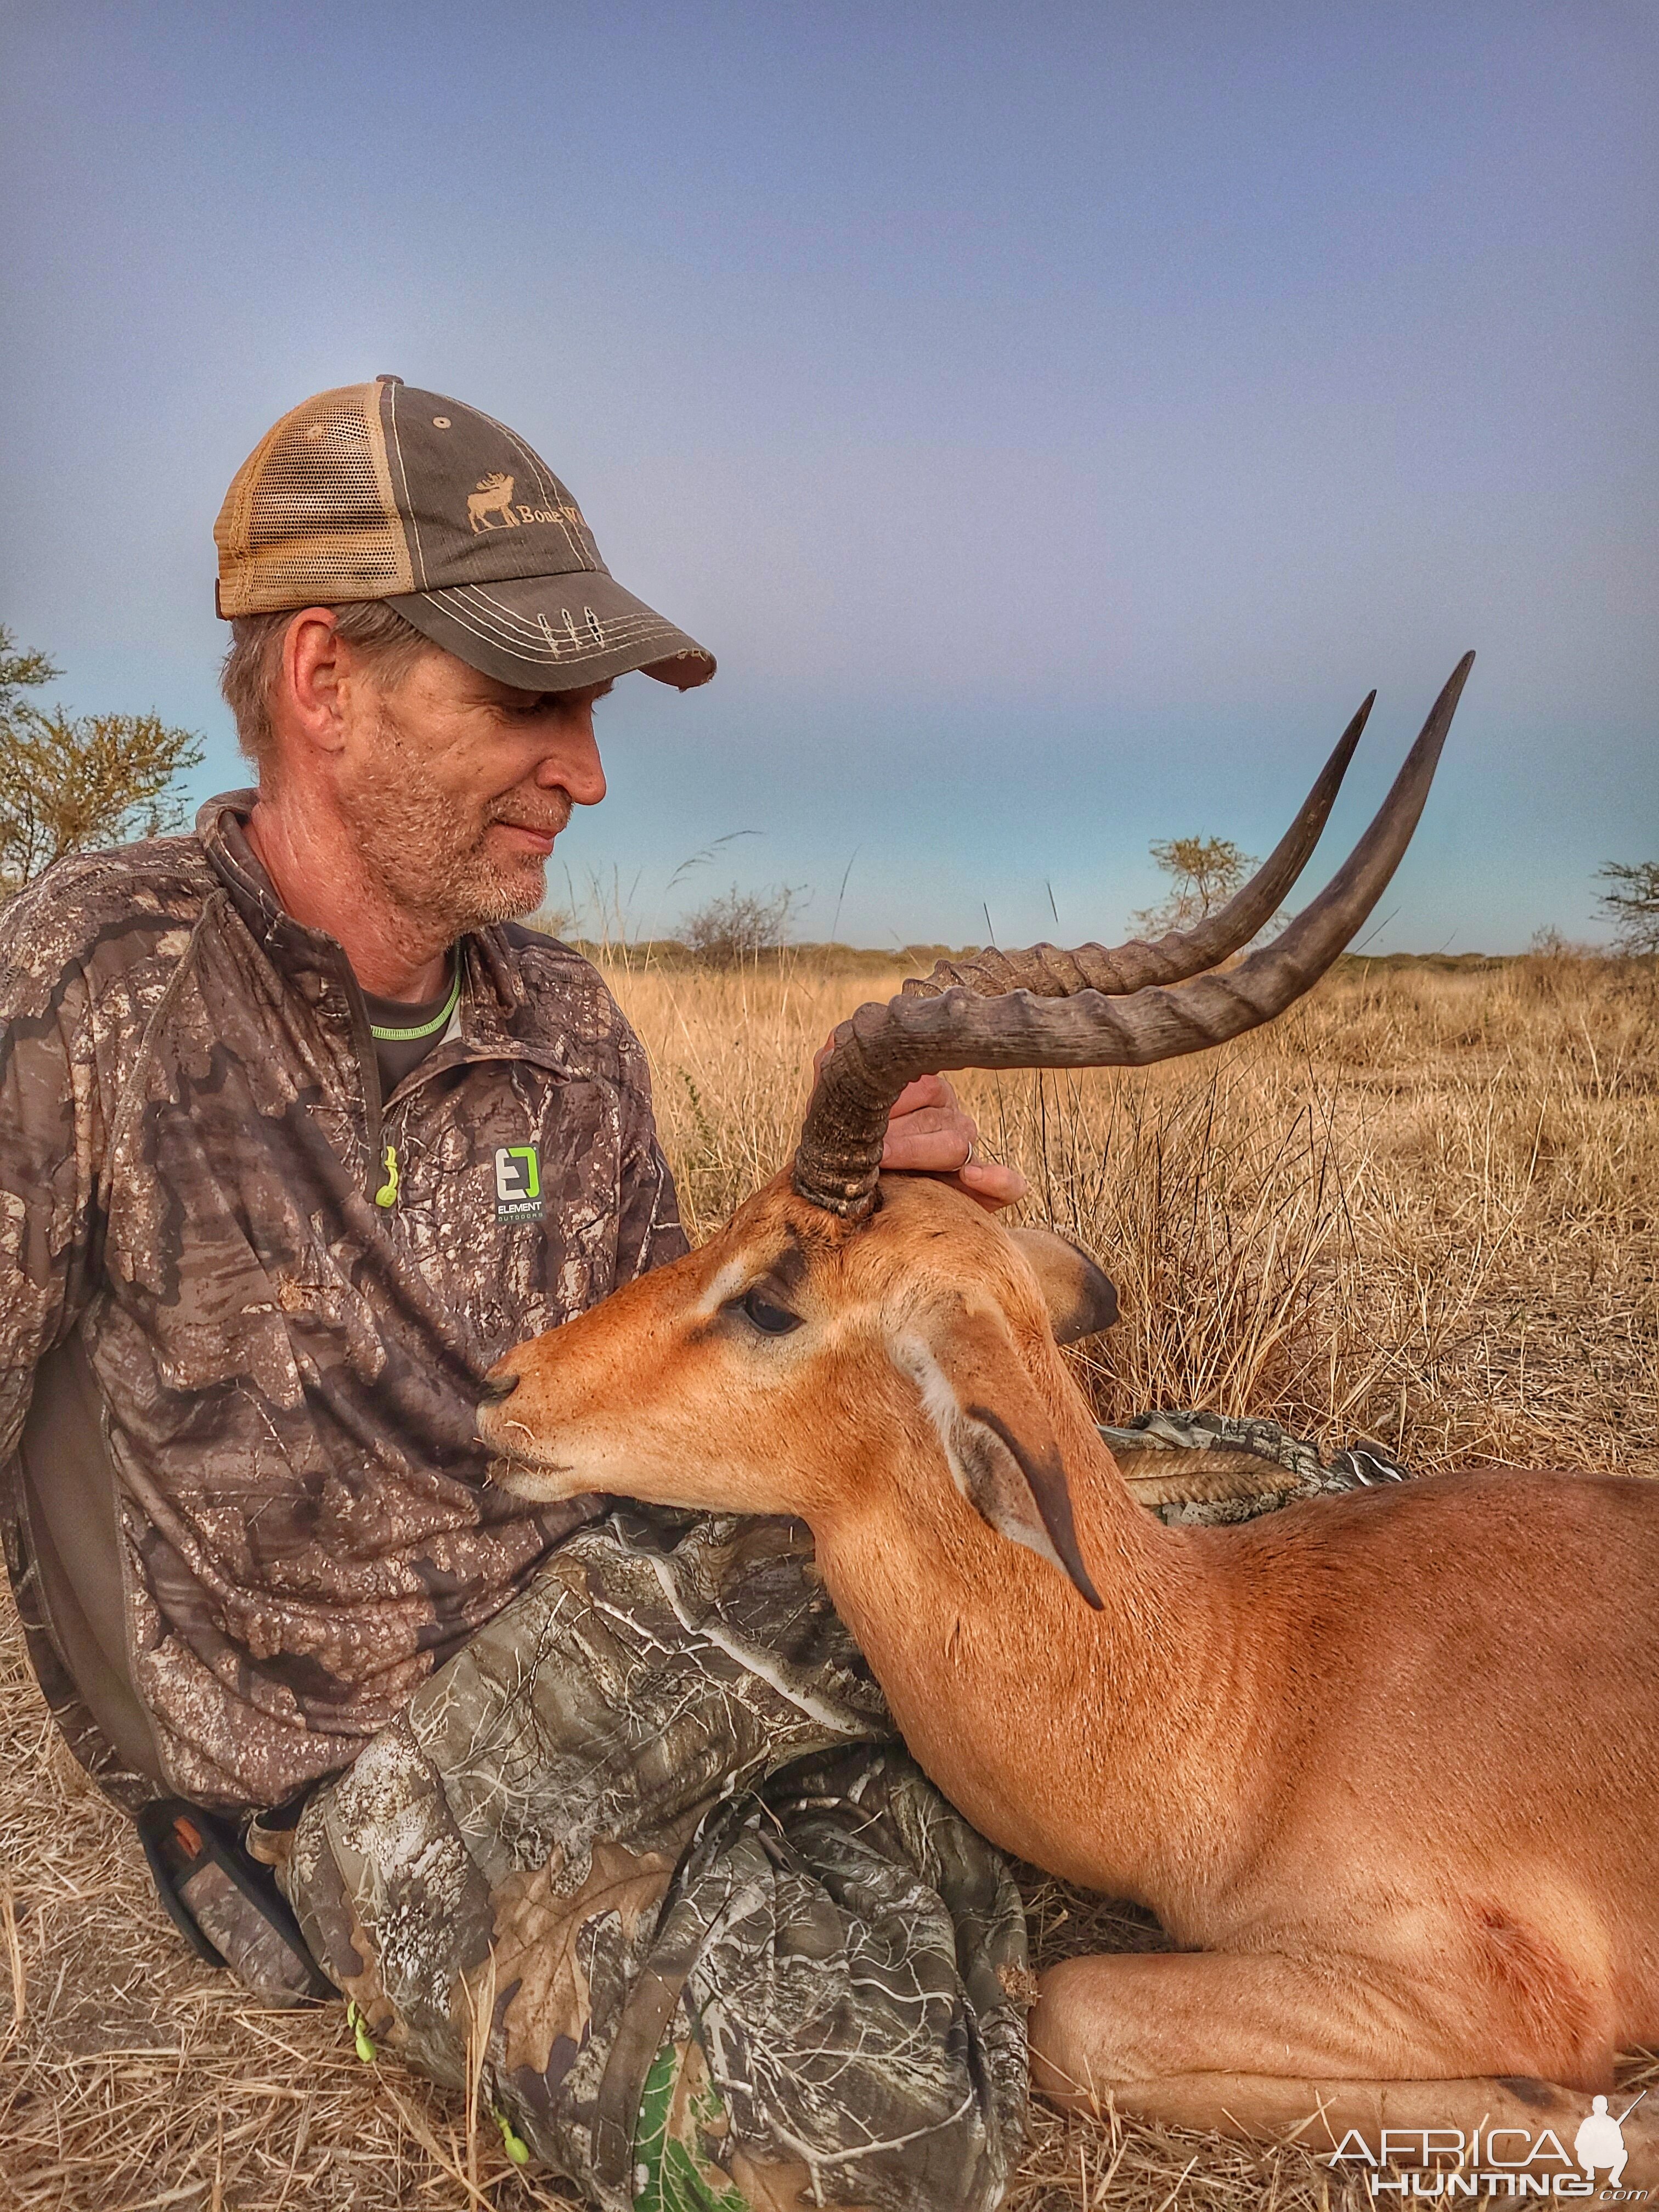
[1271,2048]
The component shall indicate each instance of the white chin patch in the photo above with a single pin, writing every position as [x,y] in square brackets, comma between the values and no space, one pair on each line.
[522,1479]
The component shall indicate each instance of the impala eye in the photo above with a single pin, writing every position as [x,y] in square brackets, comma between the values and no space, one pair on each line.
[769,1320]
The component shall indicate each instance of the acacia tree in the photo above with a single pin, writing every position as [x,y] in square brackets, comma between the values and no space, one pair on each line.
[1632,905]
[71,782]
[20,672]
[1203,872]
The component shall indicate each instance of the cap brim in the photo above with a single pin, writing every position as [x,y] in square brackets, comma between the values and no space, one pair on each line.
[555,633]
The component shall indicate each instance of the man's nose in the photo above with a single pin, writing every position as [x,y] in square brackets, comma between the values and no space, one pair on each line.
[574,766]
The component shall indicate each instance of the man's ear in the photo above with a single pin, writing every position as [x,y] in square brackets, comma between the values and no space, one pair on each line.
[1000,1444]
[1080,1298]
[315,662]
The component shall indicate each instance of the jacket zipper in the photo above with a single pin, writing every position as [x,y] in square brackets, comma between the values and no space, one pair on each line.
[384,1155]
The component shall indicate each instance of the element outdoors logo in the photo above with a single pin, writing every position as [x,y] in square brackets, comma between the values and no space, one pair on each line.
[518,1183]
[1507,2161]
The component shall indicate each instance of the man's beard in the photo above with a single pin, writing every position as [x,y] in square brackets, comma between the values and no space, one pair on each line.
[430,853]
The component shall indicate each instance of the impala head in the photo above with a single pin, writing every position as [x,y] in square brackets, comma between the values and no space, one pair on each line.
[848,1346]
[799,1362]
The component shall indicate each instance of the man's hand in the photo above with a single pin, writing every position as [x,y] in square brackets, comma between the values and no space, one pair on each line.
[928,1133]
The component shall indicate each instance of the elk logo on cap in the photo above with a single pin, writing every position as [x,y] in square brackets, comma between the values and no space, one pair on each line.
[493,496]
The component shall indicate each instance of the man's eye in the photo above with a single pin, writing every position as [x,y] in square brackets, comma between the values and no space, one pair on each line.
[770,1319]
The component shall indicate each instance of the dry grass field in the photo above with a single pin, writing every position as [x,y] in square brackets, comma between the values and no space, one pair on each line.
[1420,1209]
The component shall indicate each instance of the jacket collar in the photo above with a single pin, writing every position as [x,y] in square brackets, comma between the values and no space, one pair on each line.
[492,989]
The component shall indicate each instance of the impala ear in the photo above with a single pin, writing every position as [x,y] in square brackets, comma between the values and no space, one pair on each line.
[999,1440]
[1080,1298]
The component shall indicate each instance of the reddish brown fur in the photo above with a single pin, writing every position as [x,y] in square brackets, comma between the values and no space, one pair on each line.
[1386,1762]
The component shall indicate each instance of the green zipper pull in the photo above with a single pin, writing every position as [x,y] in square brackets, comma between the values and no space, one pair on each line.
[512,2141]
[387,1194]
[360,2035]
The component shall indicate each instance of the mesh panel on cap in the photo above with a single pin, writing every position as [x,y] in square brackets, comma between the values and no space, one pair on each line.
[311,514]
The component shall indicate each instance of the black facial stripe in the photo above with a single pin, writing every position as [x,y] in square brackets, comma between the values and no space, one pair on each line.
[788,1271]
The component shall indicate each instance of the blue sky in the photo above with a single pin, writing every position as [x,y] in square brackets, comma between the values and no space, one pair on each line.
[1055,420]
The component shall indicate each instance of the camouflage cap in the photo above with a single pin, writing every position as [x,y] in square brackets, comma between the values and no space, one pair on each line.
[378,491]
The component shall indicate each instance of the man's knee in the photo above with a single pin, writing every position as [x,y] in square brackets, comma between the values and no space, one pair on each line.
[848,2029]
[814,1972]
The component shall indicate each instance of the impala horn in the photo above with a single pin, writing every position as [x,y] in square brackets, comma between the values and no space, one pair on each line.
[1123,1007]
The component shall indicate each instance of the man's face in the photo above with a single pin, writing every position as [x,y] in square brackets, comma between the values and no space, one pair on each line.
[456,786]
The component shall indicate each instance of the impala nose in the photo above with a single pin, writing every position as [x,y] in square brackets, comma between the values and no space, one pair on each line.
[494,1388]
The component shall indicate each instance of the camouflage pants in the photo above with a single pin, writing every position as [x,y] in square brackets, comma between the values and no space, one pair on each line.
[646,1860]
[646,1857]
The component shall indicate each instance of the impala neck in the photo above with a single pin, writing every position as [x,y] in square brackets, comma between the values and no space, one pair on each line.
[1096,1744]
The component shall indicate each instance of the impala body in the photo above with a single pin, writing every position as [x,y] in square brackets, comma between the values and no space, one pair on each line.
[1387,1765]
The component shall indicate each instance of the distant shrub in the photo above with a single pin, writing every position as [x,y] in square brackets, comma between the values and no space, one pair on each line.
[1632,905]
[739,925]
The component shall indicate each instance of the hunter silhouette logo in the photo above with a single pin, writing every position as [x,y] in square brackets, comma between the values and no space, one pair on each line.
[518,1183]
[1600,2141]
[493,496]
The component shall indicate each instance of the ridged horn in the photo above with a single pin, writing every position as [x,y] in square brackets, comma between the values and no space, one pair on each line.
[880,1048]
[1051,971]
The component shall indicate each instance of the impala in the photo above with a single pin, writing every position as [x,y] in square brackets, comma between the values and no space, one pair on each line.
[1383,1766]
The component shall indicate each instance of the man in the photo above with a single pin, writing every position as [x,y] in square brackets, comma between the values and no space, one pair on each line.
[299,1132]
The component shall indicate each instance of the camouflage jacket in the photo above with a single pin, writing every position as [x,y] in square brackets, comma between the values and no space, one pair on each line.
[245,1508]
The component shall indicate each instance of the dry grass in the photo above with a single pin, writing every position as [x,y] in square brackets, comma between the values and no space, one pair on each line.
[1418,1209]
